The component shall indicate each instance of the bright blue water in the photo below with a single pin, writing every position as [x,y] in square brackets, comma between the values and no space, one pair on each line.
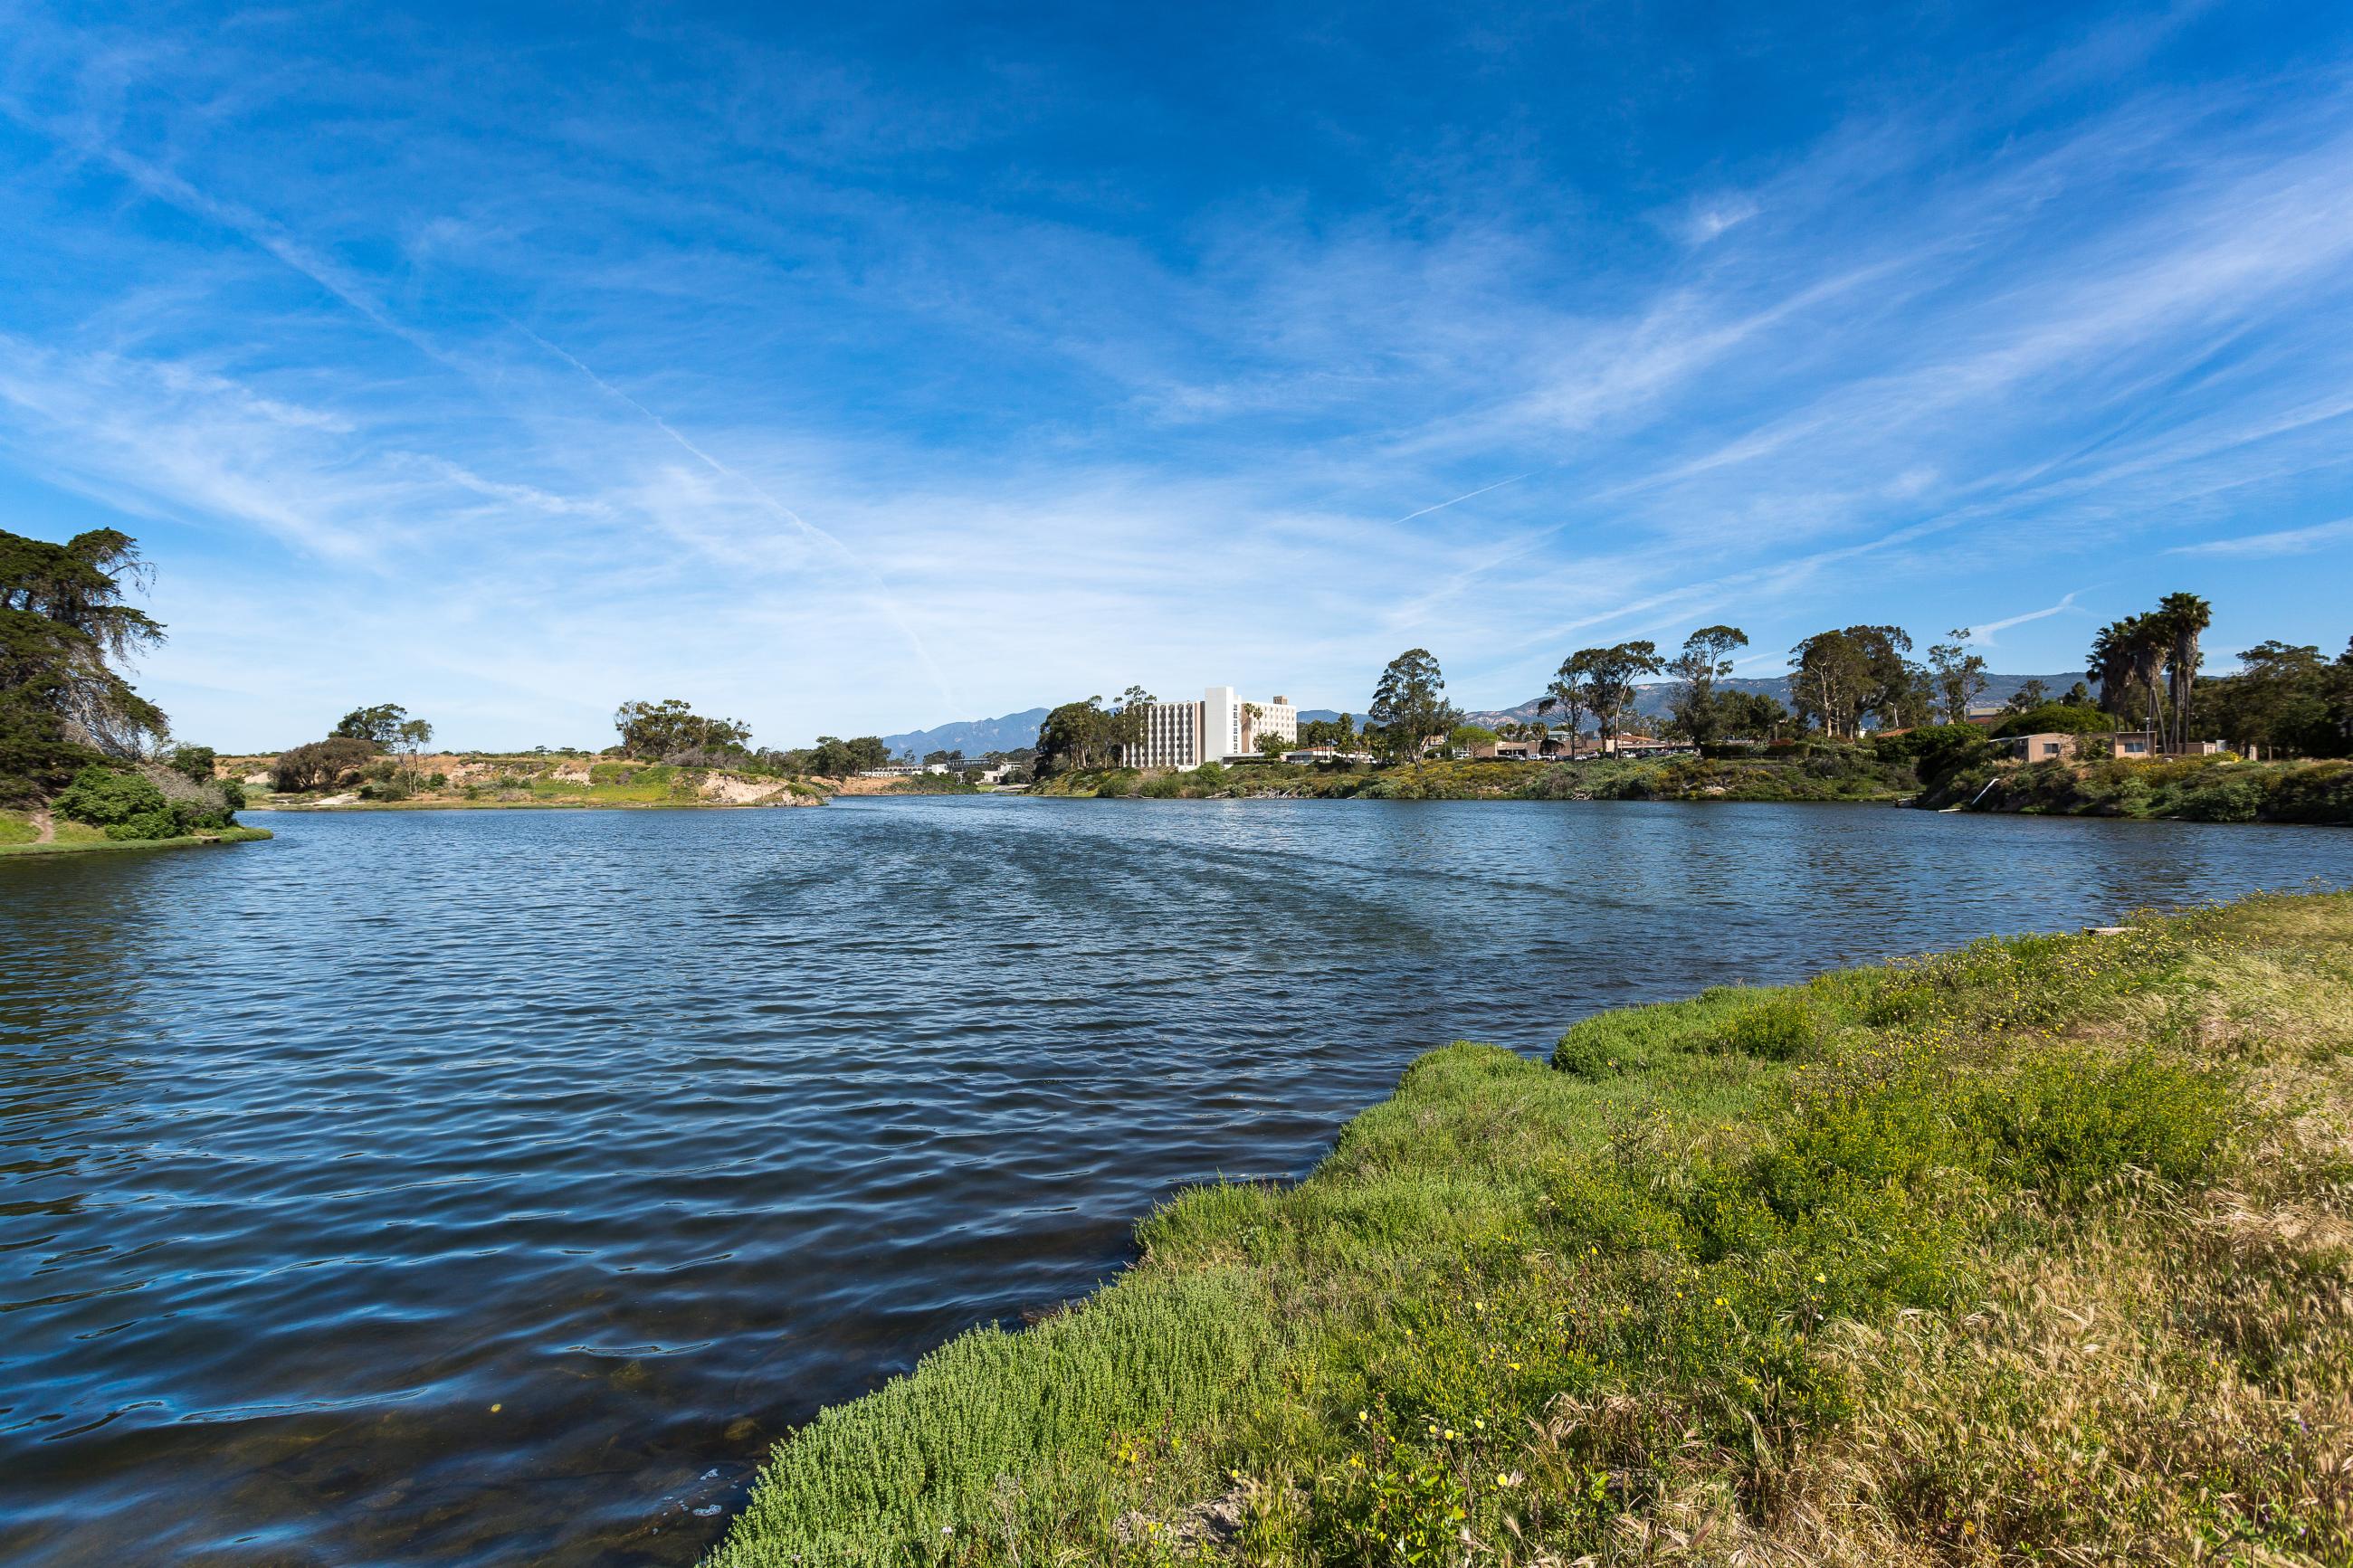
[494,1186]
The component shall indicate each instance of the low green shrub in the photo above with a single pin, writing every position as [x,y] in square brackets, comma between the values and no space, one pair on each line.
[127,805]
[1779,1026]
[2066,1121]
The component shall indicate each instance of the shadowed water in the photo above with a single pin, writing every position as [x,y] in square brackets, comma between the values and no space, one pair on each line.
[493,1187]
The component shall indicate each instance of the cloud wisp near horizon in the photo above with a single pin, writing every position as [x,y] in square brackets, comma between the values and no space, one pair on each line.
[873,374]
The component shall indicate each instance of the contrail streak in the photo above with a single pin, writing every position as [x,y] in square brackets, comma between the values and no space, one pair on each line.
[882,596]
[1483,490]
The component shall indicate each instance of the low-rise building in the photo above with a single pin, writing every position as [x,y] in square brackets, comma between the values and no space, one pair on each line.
[2126,745]
[2041,747]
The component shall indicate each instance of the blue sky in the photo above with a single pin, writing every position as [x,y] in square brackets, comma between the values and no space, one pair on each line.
[868,372]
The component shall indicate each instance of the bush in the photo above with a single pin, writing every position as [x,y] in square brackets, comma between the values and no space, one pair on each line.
[322,763]
[1776,1029]
[1936,751]
[193,763]
[2057,718]
[2068,1121]
[127,805]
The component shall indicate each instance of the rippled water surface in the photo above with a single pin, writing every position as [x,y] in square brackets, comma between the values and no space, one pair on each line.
[491,1187]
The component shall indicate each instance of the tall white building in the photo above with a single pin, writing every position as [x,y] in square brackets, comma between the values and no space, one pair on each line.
[1184,735]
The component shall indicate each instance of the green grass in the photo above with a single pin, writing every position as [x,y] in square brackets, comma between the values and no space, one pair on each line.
[75,837]
[1769,1270]
[15,827]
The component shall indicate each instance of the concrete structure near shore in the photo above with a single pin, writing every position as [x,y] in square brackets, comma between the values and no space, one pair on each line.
[1184,735]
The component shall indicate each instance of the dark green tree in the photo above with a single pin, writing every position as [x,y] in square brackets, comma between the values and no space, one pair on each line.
[671,727]
[1751,715]
[1410,705]
[1840,678]
[2182,618]
[65,629]
[1705,658]
[379,726]
[1074,737]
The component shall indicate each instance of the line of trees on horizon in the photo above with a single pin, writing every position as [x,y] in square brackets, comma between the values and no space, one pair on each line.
[1845,683]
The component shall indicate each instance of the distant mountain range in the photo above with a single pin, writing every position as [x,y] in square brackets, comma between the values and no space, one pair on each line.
[1014,730]
[974,737]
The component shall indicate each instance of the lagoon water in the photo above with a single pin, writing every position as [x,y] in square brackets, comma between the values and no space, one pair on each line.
[493,1187]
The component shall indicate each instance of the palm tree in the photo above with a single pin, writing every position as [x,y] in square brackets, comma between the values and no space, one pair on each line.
[2126,659]
[2182,618]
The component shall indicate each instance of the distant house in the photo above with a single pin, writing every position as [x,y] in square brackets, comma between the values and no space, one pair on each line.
[2128,746]
[2142,745]
[2040,747]
[1326,754]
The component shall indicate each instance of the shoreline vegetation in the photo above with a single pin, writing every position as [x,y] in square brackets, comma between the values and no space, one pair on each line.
[522,779]
[2038,1250]
[1895,771]
[19,835]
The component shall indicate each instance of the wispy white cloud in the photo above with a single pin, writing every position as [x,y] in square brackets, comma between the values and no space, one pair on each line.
[2278,541]
[1982,636]
[857,400]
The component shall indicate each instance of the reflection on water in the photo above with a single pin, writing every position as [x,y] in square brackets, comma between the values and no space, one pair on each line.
[495,1187]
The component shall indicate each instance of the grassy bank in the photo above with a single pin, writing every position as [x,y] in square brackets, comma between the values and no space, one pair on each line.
[2195,789]
[1814,773]
[2037,1251]
[19,836]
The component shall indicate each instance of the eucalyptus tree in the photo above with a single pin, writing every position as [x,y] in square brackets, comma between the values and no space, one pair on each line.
[1839,677]
[1567,694]
[1958,674]
[1126,726]
[2032,694]
[1705,658]
[1409,704]
[1076,736]
[1609,676]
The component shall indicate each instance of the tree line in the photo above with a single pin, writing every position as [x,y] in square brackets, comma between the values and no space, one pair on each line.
[2144,672]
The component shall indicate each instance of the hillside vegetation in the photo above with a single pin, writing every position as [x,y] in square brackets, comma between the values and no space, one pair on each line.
[2194,789]
[526,779]
[2033,1252]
